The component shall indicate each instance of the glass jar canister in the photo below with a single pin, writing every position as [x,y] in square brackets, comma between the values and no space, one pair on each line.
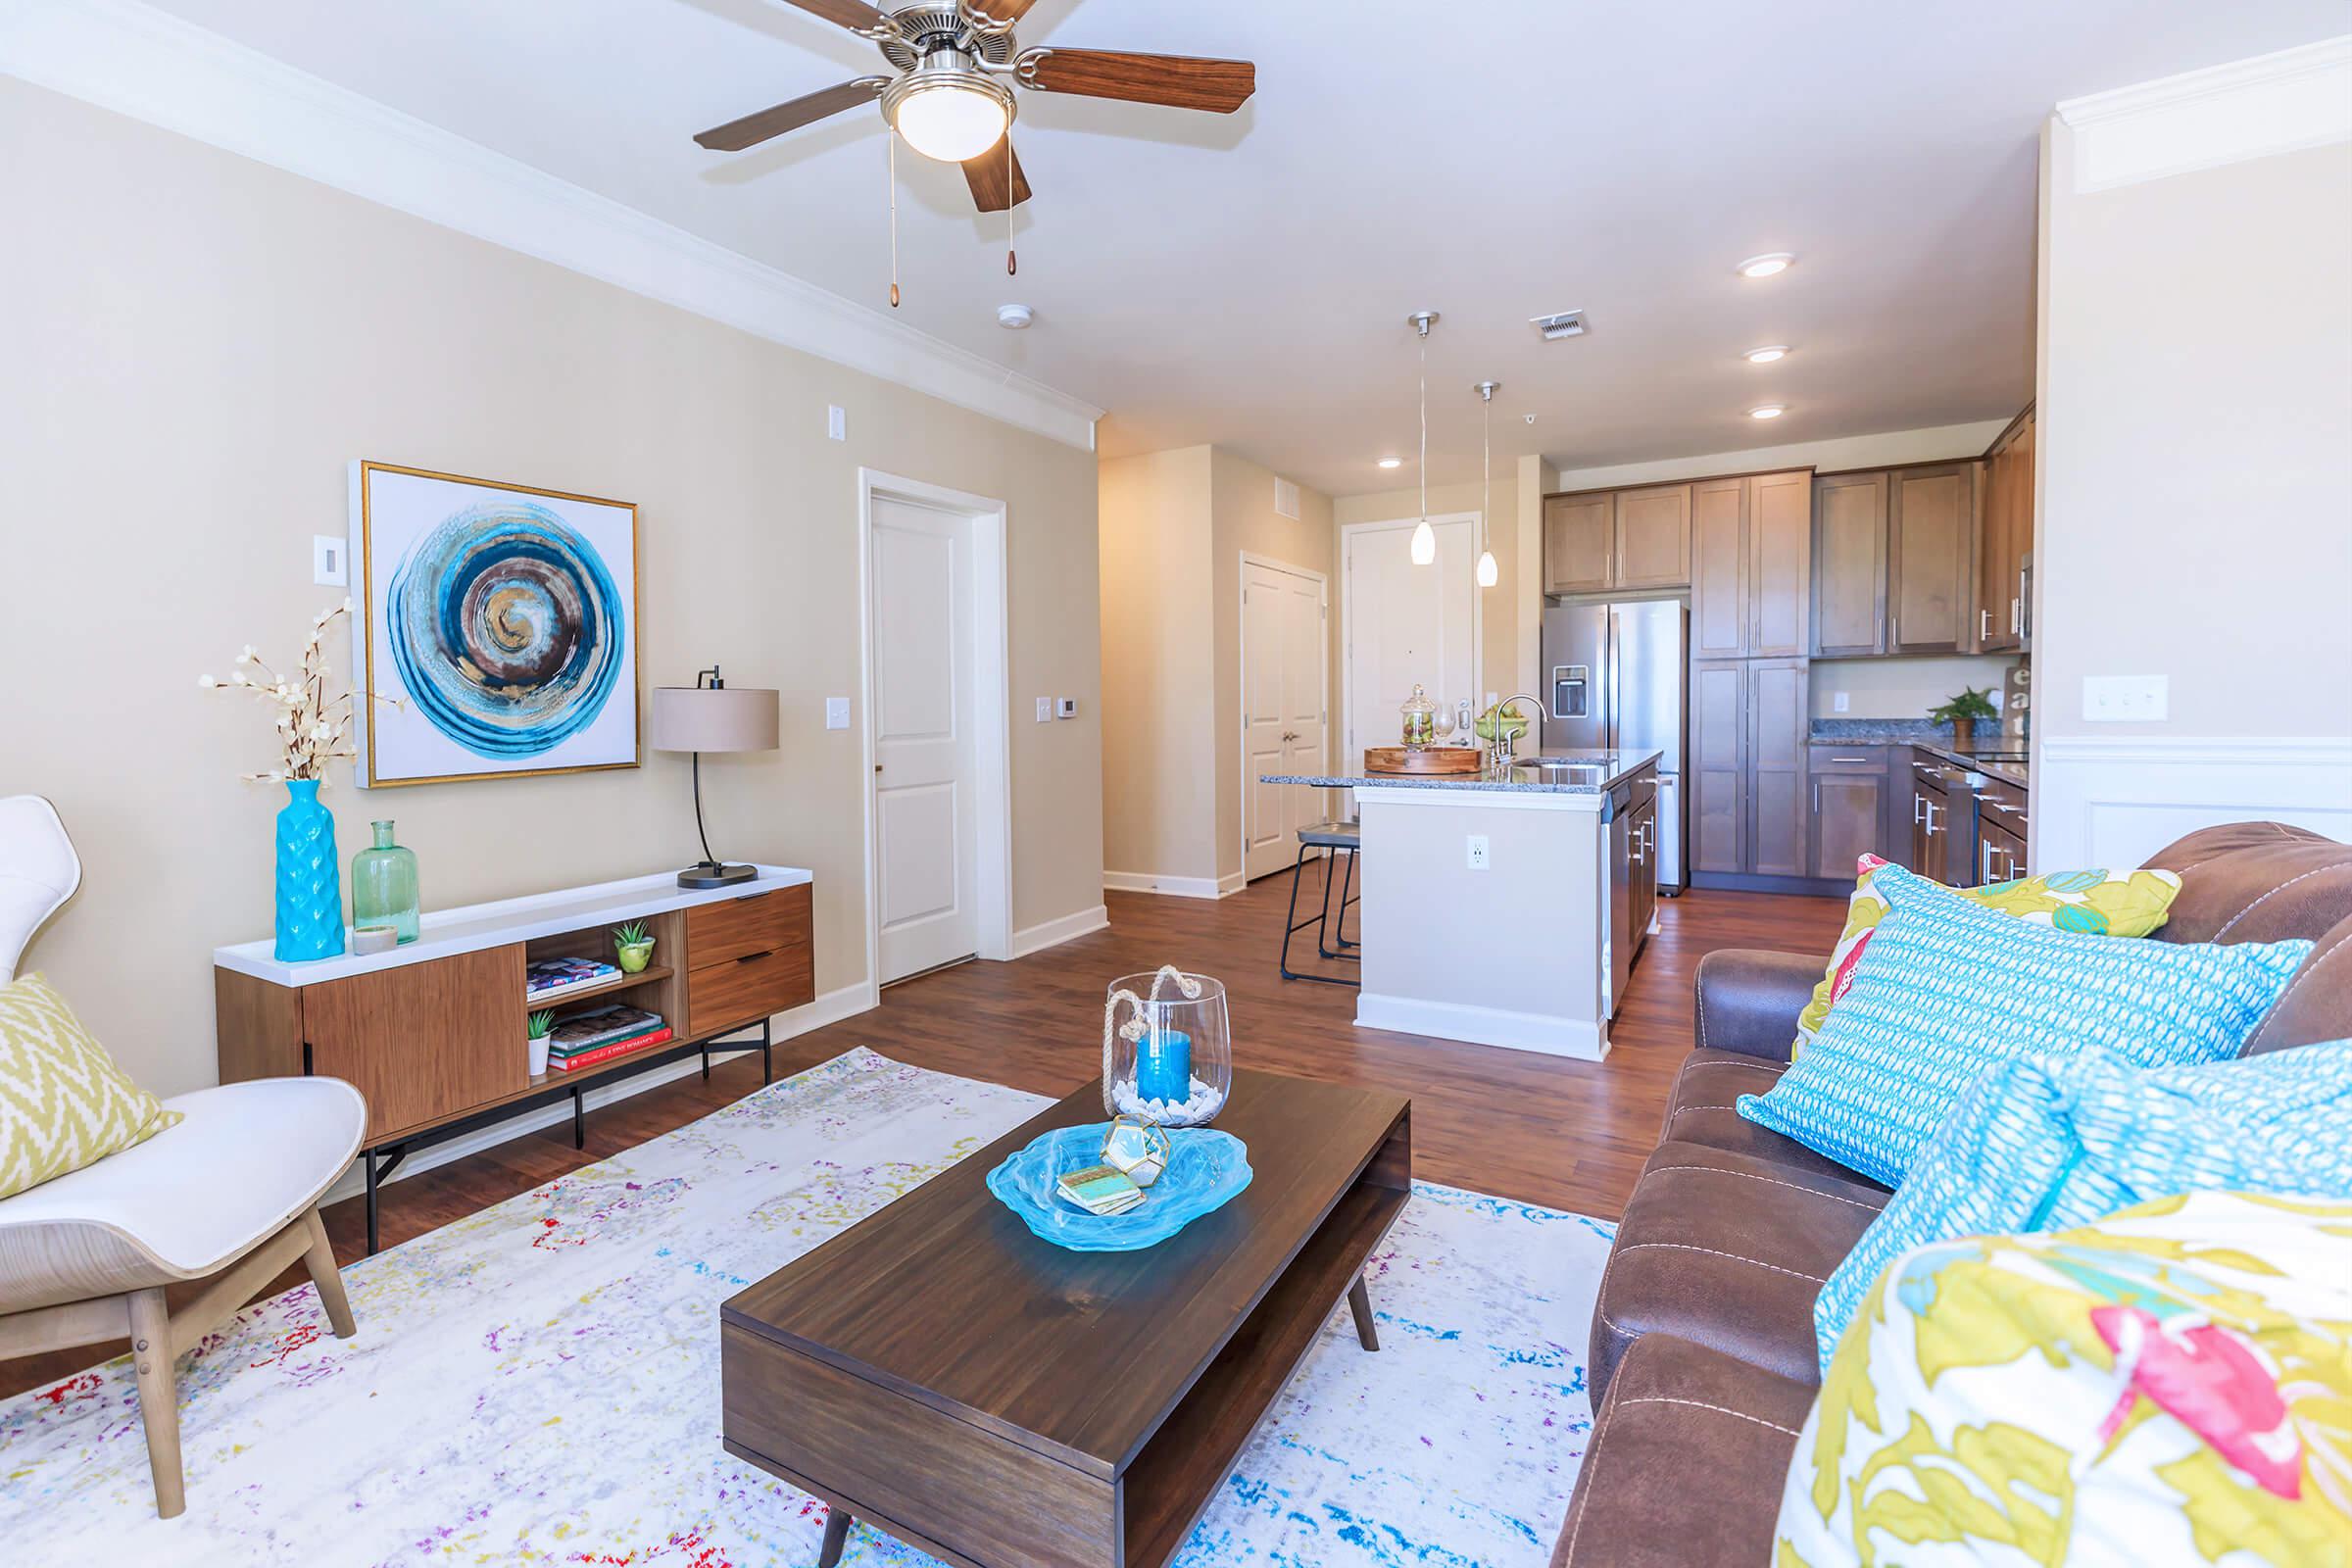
[1420,720]
[383,886]
[1167,1047]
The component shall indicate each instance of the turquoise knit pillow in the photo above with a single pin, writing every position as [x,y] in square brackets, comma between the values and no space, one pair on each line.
[2048,1143]
[1949,987]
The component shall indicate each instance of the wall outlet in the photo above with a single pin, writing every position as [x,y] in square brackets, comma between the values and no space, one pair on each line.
[1045,710]
[1480,860]
[1065,708]
[2126,699]
[1841,702]
[328,566]
[837,423]
[837,712]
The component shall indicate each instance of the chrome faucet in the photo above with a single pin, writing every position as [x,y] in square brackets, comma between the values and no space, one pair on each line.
[1504,749]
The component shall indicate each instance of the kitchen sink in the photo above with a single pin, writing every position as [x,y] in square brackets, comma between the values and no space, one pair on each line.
[1557,770]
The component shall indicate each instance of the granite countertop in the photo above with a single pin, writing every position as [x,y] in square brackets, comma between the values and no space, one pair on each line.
[1997,755]
[1590,772]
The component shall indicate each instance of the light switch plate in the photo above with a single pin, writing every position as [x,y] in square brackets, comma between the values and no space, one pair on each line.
[1045,710]
[1480,857]
[327,564]
[2126,699]
[1840,703]
[837,712]
[837,423]
[1065,708]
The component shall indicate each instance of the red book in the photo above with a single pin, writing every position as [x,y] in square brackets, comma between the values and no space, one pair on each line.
[618,1048]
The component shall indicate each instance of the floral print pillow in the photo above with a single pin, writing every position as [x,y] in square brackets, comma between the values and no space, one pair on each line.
[2169,1385]
[2111,904]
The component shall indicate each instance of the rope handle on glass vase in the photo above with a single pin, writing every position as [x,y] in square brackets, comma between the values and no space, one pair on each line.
[1133,1029]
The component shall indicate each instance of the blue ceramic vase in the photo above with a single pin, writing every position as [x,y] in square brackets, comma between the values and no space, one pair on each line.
[309,889]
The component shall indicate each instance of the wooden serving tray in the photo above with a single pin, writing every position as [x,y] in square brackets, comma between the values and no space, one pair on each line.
[1435,760]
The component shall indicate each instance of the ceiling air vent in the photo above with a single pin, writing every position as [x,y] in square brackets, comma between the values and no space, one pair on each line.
[1567,323]
[1285,498]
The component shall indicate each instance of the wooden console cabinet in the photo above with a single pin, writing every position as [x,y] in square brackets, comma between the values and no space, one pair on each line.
[432,1034]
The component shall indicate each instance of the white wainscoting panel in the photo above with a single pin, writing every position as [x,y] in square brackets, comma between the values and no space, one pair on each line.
[2115,801]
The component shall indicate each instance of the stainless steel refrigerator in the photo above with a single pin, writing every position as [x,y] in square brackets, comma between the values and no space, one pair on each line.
[1617,678]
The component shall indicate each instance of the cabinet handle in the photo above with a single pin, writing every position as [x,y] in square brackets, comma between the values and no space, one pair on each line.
[2016,618]
[1849,759]
[1984,625]
[1985,861]
[1919,807]
[750,956]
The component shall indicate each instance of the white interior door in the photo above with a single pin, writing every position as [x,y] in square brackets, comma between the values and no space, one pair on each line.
[926,845]
[1283,708]
[1407,626]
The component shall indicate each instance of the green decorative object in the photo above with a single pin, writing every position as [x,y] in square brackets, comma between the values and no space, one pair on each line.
[383,885]
[537,1033]
[1514,724]
[1963,711]
[633,947]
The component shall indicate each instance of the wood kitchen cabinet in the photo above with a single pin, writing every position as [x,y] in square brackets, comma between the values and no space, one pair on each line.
[1719,611]
[1850,809]
[1930,821]
[1653,538]
[1849,565]
[1779,721]
[1580,543]
[1780,565]
[1930,529]
[2004,613]
[1718,767]
[1644,892]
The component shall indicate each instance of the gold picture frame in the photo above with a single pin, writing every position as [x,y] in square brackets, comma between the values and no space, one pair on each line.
[370,612]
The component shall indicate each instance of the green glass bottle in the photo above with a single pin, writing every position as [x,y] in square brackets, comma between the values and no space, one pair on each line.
[383,885]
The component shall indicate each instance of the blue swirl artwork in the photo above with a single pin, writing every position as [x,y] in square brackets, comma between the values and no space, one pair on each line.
[506,628]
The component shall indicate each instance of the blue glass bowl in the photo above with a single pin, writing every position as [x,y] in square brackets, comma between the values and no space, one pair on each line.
[1205,1170]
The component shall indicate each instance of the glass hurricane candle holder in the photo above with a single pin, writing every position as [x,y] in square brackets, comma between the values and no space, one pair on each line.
[1167,1047]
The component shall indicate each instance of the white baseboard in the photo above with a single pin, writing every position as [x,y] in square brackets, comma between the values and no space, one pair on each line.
[1483,1026]
[831,1007]
[1176,887]
[1054,933]
[2116,801]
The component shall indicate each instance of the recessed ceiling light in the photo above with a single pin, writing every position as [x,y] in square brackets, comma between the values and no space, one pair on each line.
[1766,410]
[1391,462]
[1767,354]
[1767,264]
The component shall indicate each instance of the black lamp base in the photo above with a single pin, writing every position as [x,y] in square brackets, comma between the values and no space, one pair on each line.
[710,874]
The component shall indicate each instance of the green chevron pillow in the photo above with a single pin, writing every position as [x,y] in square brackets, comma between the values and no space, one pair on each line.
[64,1103]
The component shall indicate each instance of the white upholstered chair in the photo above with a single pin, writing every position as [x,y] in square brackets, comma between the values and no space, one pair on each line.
[229,1197]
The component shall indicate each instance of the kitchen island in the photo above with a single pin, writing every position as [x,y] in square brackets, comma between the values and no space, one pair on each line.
[1504,909]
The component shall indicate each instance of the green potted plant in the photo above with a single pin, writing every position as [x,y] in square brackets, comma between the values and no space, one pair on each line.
[542,1024]
[1962,714]
[634,947]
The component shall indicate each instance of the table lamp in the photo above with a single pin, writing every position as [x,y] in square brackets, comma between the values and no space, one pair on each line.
[711,717]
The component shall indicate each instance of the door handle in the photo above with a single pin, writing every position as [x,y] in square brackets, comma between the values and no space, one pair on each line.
[877,767]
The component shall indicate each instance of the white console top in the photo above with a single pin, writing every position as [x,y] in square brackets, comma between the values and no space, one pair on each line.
[445,933]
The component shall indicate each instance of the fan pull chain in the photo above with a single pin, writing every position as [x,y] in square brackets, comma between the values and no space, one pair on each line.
[1013,263]
[893,221]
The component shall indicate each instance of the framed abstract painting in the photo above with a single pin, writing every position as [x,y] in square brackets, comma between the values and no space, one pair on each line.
[496,625]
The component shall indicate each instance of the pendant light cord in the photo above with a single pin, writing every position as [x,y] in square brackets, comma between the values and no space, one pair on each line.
[1424,462]
[1485,504]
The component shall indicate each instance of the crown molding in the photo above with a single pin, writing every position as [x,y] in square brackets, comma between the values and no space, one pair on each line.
[2275,103]
[134,60]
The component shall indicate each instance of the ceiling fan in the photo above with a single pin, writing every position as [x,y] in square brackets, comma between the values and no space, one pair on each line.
[949,95]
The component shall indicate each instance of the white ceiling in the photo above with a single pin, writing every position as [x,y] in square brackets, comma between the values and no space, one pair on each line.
[1245,280]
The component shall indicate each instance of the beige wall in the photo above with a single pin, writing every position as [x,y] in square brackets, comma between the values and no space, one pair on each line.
[1160,791]
[2194,445]
[1175,525]
[1242,520]
[1901,688]
[197,347]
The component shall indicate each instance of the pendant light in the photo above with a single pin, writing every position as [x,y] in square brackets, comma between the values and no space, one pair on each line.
[1425,538]
[1487,572]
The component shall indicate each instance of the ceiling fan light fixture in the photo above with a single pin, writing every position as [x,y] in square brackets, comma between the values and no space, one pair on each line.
[948,110]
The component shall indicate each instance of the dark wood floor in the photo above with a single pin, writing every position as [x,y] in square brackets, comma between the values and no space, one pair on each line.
[1566,1134]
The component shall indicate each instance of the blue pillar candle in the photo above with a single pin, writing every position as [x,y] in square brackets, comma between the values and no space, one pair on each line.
[1163,1067]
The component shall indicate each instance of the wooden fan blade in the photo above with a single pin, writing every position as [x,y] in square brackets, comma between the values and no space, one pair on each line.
[854,15]
[987,172]
[1181,82]
[752,129]
[1003,9]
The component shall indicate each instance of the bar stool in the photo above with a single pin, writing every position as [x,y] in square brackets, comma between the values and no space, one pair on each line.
[1335,839]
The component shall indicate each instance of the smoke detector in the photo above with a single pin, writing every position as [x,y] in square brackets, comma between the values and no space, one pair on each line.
[1013,317]
[1563,323]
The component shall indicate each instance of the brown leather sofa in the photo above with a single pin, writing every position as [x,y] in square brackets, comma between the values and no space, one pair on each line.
[1703,1352]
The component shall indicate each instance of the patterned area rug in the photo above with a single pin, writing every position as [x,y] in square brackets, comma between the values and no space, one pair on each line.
[539,1383]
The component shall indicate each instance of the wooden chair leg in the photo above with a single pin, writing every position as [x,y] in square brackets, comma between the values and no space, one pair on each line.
[158,1397]
[320,1260]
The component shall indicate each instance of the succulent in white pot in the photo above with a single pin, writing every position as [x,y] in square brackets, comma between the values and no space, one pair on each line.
[540,1026]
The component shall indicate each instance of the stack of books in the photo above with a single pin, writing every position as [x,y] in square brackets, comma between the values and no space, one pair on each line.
[600,1034]
[546,979]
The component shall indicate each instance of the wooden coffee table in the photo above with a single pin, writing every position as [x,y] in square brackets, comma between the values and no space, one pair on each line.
[999,1403]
